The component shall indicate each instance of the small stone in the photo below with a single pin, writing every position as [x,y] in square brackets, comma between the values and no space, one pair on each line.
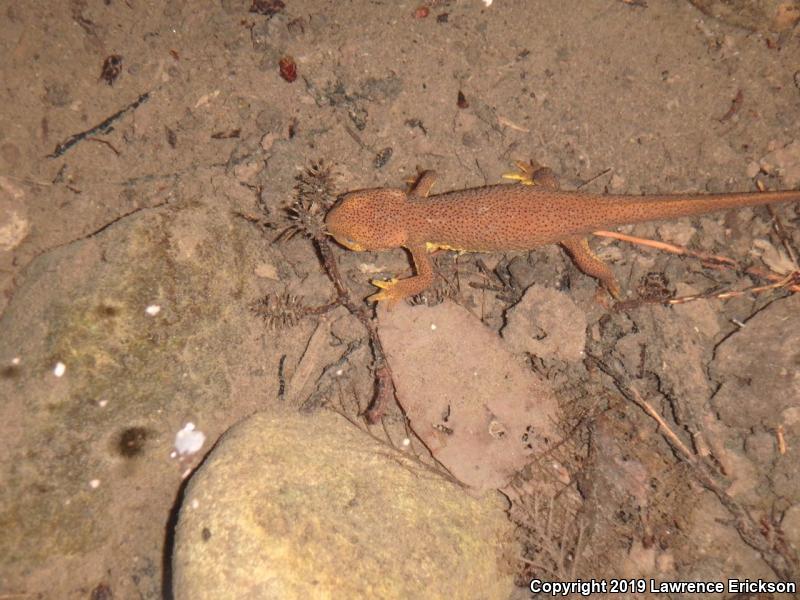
[785,163]
[267,271]
[676,232]
[14,225]
[753,169]
[13,229]
[560,323]
[188,440]
[791,525]
[617,182]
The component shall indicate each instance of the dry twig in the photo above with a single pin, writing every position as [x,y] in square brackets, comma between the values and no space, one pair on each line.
[709,260]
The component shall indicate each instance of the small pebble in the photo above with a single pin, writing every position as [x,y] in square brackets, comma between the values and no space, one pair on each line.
[188,440]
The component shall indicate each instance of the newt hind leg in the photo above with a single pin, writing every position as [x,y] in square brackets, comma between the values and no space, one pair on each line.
[421,186]
[588,262]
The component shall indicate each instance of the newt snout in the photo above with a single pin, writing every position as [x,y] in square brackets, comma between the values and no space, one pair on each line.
[368,219]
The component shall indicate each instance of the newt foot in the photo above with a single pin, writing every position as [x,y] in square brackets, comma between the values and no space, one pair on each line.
[531,173]
[614,289]
[388,291]
[524,173]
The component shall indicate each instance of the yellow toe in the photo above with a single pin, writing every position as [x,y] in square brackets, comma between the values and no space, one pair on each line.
[517,177]
[384,284]
[387,291]
[523,174]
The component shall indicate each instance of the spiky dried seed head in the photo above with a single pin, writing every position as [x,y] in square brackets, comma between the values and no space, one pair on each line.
[317,184]
[315,194]
[280,311]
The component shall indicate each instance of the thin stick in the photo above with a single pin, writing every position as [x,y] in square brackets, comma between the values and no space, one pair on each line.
[384,384]
[102,127]
[714,259]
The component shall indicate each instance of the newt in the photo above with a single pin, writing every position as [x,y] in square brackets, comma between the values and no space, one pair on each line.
[504,218]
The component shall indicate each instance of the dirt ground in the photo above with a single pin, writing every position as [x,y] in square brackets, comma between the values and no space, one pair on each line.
[120,112]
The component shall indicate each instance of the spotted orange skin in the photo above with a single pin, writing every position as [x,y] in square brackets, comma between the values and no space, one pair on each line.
[506,218]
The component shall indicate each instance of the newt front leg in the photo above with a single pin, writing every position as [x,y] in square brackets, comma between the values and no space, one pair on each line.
[394,290]
[422,187]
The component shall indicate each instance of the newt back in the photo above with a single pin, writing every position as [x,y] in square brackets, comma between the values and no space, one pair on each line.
[505,218]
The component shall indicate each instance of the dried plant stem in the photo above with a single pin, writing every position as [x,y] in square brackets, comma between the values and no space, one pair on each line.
[783,235]
[711,260]
[384,384]
[665,429]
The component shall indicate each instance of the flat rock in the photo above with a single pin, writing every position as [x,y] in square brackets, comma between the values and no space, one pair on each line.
[756,15]
[478,409]
[309,506]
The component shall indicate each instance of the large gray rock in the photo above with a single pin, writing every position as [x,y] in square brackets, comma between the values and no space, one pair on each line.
[86,478]
[291,506]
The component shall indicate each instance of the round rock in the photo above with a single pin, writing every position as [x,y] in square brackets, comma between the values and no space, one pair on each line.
[298,506]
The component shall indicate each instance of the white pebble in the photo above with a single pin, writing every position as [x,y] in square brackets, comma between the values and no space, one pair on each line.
[153,310]
[59,369]
[94,484]
[188,440]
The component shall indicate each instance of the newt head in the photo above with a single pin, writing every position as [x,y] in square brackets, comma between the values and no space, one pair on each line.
[369,219]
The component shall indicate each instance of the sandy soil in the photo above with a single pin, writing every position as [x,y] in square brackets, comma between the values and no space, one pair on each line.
[113,109]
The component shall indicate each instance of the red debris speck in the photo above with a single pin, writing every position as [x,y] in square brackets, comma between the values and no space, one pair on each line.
[288,68]
[422,12]
[267,7]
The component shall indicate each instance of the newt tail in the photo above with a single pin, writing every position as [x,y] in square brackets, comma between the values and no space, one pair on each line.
[506,217]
